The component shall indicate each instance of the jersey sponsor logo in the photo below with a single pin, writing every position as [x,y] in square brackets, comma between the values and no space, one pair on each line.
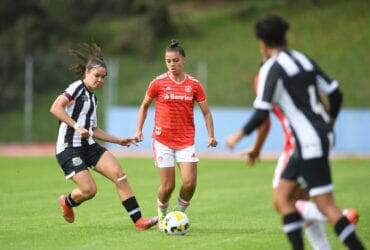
[177,97]
[76,161]
[188,89]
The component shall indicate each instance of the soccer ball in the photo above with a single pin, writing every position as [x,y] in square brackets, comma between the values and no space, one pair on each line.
[176,223]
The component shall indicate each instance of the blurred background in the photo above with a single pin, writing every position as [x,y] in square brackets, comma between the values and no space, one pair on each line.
[222,52]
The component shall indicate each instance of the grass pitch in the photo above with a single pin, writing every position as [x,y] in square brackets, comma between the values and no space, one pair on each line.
[230,210]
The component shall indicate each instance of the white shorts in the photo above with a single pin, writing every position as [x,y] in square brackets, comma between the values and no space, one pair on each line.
[165,157]
[280,167]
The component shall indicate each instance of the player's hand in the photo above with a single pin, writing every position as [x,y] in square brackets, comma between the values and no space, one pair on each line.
[252,155]
[127,142]
[83,132]
[212,142]
[139,136]
[233,139]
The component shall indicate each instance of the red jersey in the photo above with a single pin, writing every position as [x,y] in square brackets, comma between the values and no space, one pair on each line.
[174,116]
[288,135]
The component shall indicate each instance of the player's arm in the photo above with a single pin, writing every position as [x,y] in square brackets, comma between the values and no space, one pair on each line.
[330,88]
[104,136]
[259,116]
[262,132]
[143,111]
[58,110]
[212,142]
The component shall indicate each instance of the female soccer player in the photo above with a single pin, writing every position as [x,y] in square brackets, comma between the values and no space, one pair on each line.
[76,149]
[173,135]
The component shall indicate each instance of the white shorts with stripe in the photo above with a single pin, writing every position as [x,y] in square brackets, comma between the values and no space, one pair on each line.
[165,157]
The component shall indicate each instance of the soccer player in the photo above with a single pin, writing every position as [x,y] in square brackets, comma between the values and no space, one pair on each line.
[173,134]
[76,149]
[291,80]
[314,219]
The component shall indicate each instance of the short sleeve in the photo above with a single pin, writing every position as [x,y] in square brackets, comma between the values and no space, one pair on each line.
[199,93]
[152,90]
[266,85]
[72,90]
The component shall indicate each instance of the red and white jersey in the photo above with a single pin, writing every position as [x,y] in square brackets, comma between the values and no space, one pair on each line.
[174,116]
[289,141]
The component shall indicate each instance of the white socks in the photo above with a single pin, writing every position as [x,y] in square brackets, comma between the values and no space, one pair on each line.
[182,205]
[315,229]
[316,236]
[309,211]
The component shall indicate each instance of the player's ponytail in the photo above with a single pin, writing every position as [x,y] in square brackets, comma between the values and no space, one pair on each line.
[175,46]
[88,56]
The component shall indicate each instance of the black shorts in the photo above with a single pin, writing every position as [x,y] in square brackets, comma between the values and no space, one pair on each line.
[75,159]
[313,174]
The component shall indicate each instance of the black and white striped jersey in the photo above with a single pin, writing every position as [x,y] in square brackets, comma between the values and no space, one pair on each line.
[292,81]
[82,109]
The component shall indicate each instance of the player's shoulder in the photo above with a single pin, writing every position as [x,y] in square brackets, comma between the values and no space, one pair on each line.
[76,84]
[161,77]
[270,65]
[192,80]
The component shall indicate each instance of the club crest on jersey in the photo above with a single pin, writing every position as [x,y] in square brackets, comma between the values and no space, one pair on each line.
[188,89]
[76,161]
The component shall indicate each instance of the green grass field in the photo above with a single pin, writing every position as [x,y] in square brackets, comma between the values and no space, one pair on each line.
[231,208]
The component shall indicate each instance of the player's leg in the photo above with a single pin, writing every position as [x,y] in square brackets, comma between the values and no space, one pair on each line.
[343,228]
[164,158]
[75,167]
[314,229]
[109,167]
[187,162]
[188,172]
[292,220]
[316,175]
[165,189]
[86,189]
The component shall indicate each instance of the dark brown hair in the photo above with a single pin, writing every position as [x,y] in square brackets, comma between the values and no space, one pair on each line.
[175,46]
[89,55]
[271,30]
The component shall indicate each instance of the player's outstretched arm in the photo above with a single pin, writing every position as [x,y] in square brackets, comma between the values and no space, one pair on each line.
[212,142]
[104,136]
[141,116]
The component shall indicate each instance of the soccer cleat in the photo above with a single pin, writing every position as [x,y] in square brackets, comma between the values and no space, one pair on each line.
[351,215]
[145,223]
[67,211]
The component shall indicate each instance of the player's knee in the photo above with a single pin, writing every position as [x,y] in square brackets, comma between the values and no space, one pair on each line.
[189,184]
[121,179]
[89,192]
[168,187]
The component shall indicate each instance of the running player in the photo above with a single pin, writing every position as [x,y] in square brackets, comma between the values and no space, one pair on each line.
[76,149]
[314,220]
[292,81]
[173,134]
